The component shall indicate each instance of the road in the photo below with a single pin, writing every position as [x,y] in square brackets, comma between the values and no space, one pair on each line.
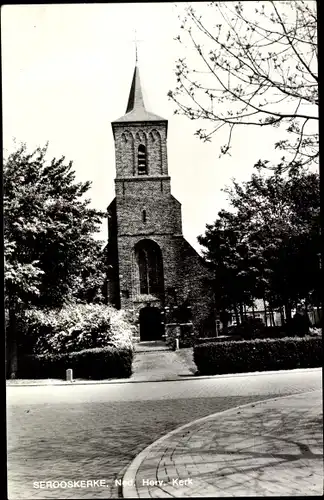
[92,432]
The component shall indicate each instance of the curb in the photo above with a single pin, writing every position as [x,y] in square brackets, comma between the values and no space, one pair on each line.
[175,379]
[129,489]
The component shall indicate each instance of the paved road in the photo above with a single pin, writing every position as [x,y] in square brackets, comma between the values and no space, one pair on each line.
[92,432]
[272,447]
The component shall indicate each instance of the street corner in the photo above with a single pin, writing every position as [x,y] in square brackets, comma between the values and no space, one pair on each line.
[264,448]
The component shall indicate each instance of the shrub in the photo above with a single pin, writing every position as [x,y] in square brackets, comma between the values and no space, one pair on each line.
[250,328]
[315,332]
[254,328]
[298,325]
[186,335]
[97,363]
[258,355]
[76,327]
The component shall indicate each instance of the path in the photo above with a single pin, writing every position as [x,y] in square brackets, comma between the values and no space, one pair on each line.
[269,448]
[154,361]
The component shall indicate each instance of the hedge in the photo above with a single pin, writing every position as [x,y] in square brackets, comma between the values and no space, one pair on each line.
[221,338]
[98,363]
[258,355]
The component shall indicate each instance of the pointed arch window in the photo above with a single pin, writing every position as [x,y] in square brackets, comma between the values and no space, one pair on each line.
[150,267]
[142,160]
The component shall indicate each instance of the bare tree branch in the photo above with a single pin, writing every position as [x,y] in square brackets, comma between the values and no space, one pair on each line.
[261,64]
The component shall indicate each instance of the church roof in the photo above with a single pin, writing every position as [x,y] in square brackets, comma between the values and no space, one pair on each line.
[136,110]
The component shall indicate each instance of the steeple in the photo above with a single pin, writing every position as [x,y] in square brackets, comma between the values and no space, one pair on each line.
[135,99]
[136,110]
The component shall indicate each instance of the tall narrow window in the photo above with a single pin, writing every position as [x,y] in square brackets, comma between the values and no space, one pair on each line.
[143,271]
[142,160]
[144,216]
[150,267]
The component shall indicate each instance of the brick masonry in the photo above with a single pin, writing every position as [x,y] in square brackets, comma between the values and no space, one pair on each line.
[145,209]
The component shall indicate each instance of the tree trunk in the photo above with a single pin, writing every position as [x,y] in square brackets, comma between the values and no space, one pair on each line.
[271,315]
[237,318]
[265,312]
[224,320]
[288,311]
[282,315]
[12,343]
[11,336]
[253,310]
[13,358]
[306,312]
[318,316]
[241,312]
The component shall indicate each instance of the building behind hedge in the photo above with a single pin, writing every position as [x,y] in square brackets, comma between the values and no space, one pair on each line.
[152,269]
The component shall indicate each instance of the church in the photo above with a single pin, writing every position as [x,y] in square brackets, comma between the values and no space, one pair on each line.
[152,270]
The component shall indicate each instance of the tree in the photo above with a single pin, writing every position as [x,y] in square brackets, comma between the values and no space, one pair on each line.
[256,65]
[50,252]
[268,246]
[280,216]
[90,285]
[226,249]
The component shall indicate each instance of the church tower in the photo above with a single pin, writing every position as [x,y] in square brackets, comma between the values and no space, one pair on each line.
[148,256]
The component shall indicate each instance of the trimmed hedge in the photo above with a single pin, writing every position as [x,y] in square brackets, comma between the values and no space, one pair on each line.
[221,338]
[258,355]
[98,363]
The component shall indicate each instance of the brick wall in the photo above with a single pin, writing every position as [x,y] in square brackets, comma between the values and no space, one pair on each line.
[129,137]
[183,271]
[151,198]
[144,208]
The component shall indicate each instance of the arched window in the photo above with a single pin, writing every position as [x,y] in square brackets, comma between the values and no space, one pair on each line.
[144,216]
[142,160]
[150,267]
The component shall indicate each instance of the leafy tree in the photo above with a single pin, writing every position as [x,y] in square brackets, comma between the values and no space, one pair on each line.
[283,232]
[50,252]
[226,248]
[268,247]
[90,285]
[257,65]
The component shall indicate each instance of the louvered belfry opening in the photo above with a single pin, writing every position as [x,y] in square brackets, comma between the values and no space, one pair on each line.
[142,160]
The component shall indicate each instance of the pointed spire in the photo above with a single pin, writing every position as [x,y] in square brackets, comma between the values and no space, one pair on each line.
[135,100]
[136,110]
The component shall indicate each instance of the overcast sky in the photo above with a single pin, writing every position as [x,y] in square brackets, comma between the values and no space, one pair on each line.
[66,74]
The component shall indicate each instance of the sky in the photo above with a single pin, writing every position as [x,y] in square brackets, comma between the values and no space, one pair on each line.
[66,75]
